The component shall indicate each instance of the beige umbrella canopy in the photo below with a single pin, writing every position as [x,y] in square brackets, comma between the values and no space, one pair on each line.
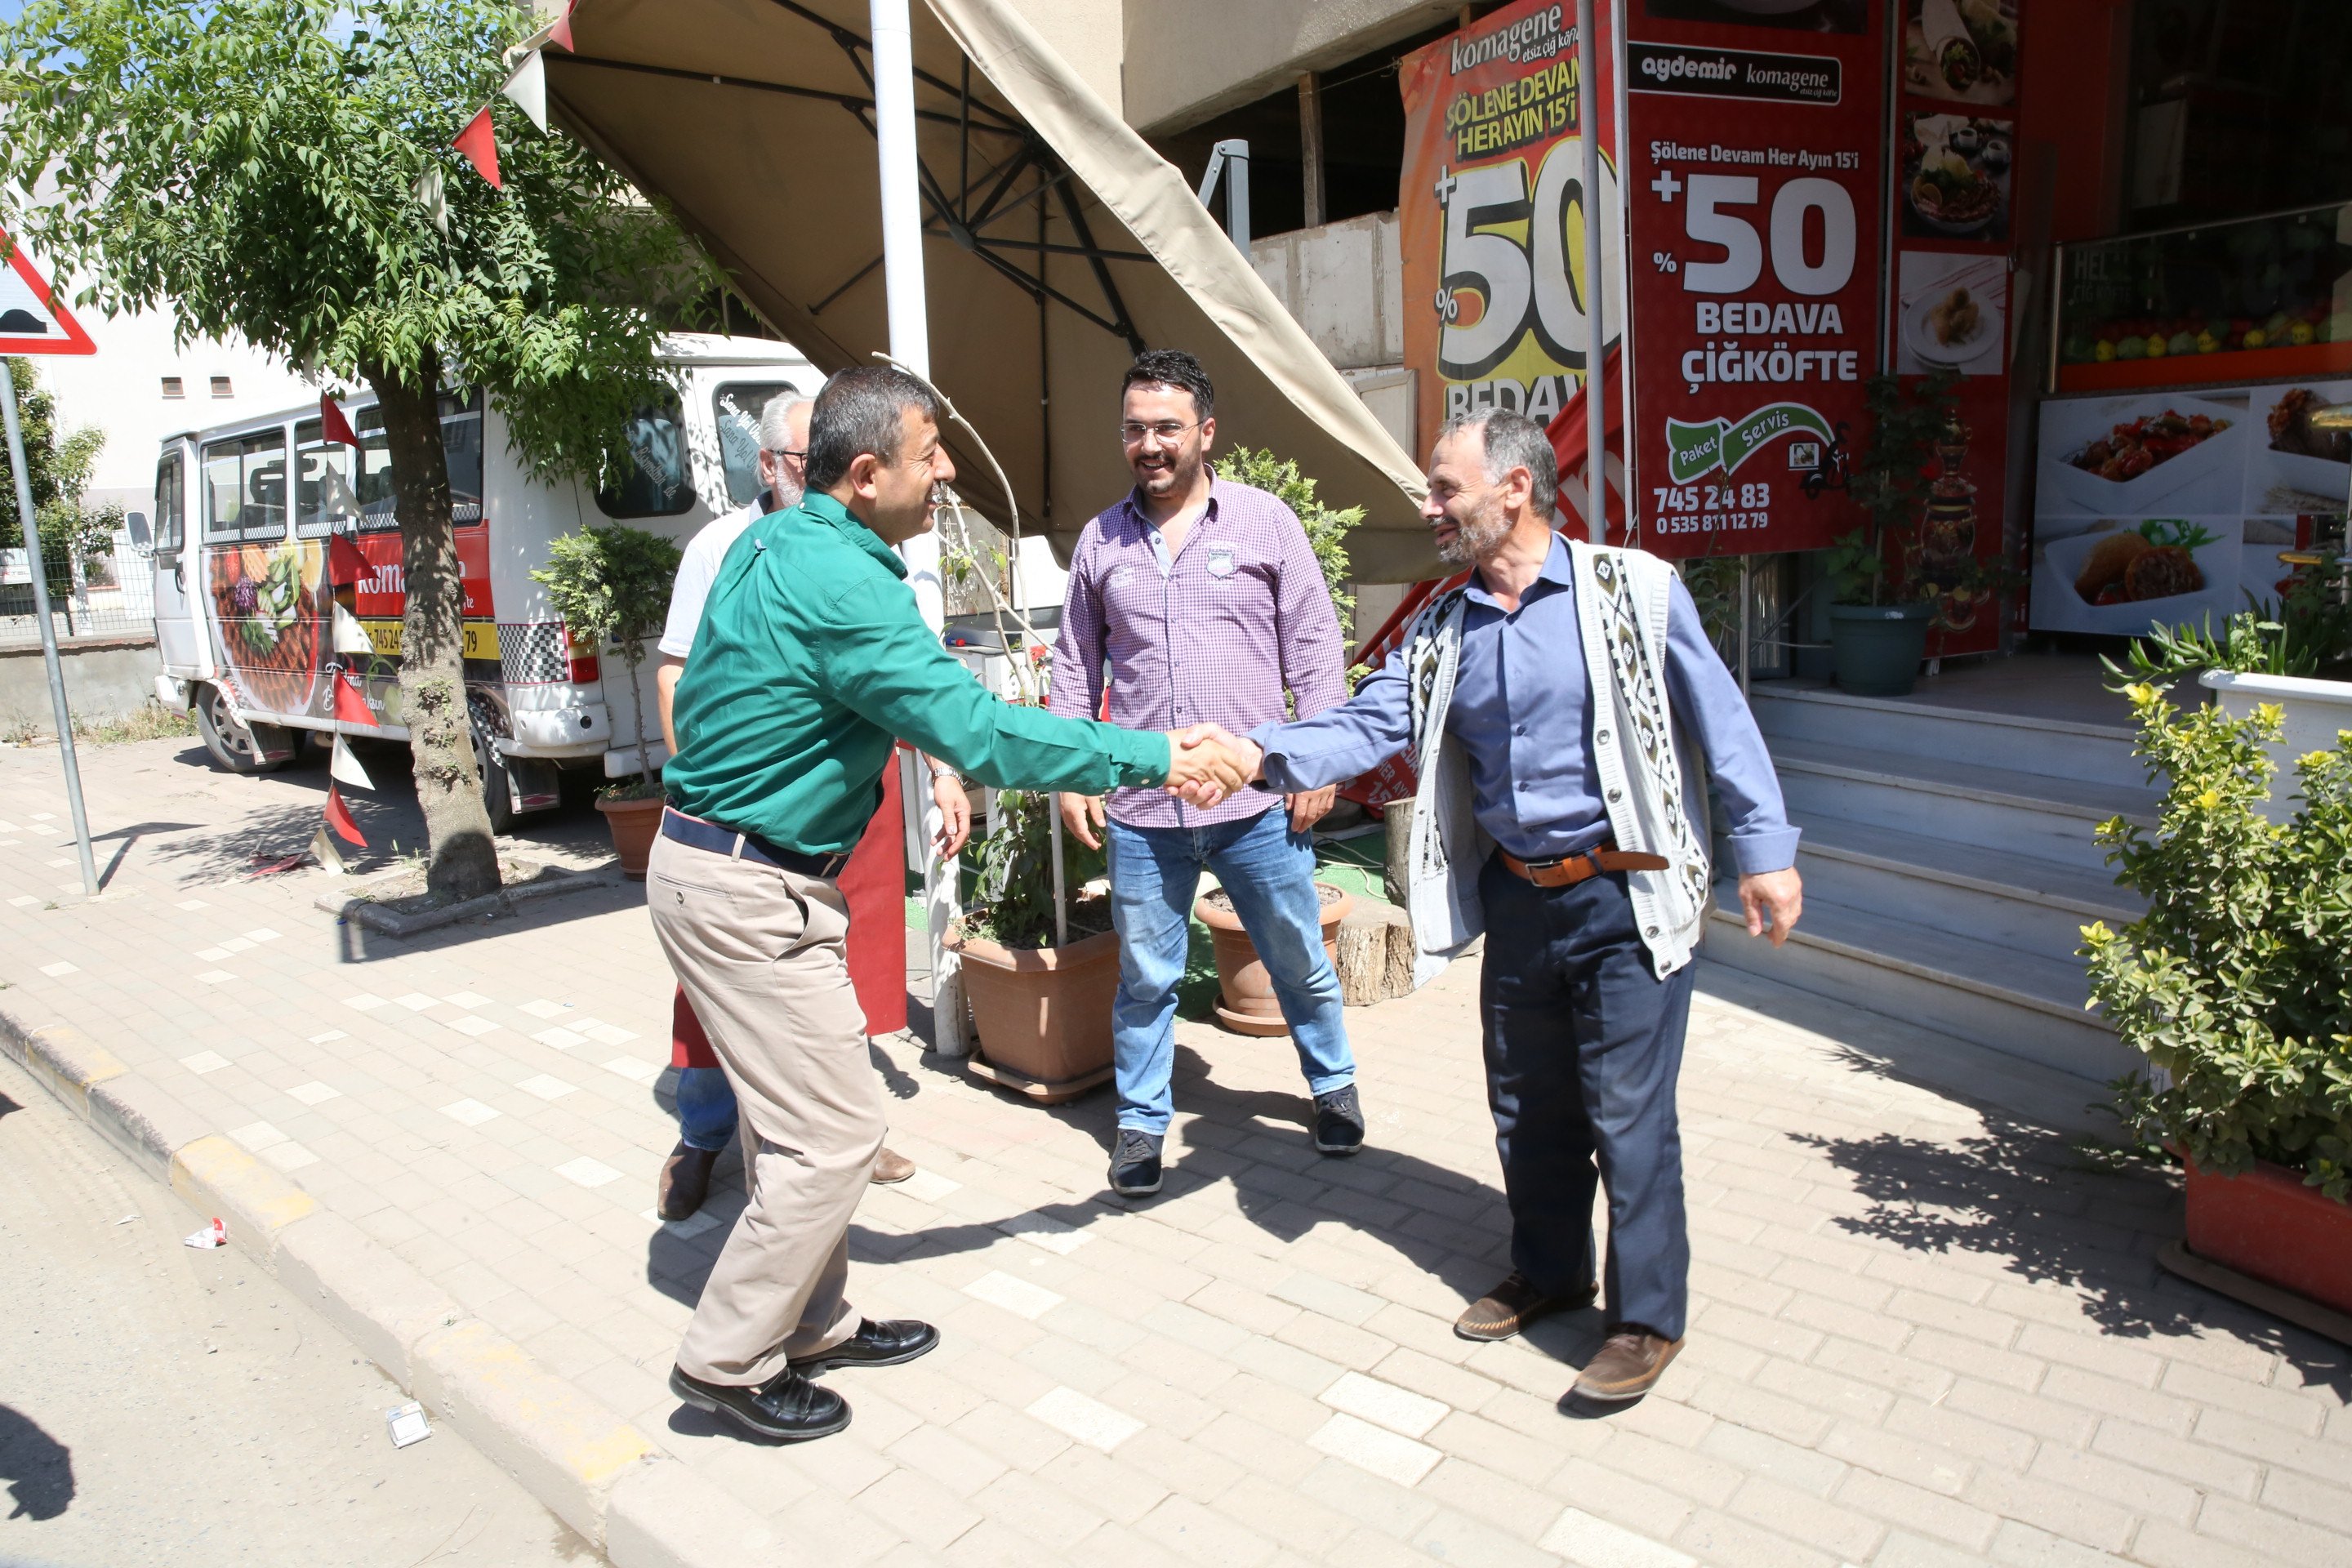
[1057,243]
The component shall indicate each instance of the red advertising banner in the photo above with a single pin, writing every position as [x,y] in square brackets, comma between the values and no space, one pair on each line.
[1491,211]
[1753,169]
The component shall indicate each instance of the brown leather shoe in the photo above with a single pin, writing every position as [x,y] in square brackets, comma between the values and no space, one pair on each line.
[1627,1363]
[685,1181]
[1512,1306]
[890,1166]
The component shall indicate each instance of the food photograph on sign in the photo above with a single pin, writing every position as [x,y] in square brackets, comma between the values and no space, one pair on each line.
[1810,16]
[1951,312]
[1955,171]
[2296,466]
[1961,50]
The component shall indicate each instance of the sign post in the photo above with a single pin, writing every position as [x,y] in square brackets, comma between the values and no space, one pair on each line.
[32,322]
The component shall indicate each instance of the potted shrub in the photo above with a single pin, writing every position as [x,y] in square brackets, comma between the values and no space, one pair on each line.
[1878,618]
[1040,996]
[1247,1004]
[2233,986]
[613,584]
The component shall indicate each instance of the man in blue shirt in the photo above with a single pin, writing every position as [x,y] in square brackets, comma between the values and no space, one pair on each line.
[1550,706]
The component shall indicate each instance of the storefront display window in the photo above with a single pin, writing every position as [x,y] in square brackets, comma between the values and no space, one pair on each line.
[2263,297]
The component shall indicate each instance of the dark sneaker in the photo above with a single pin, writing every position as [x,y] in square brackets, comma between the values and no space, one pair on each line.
[685,1182]
[1627,1363]
[1135,1164]
[886,1344]
[1512,1305]
[788,1407]
[1338,1121]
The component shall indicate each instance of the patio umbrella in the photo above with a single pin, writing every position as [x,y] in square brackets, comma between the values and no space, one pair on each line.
[1057,244]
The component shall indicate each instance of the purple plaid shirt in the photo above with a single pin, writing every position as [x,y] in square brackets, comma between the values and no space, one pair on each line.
[1213,635]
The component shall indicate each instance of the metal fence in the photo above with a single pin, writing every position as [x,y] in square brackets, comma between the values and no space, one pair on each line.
[106,597]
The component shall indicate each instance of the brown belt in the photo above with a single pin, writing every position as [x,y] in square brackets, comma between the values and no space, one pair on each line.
[1569,870]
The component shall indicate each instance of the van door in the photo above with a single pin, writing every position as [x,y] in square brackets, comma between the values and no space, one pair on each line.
[176,630]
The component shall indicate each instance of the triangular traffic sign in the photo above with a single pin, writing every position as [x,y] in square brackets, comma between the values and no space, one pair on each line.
[31,320]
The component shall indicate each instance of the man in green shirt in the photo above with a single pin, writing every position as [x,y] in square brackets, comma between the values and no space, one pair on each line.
[811,662]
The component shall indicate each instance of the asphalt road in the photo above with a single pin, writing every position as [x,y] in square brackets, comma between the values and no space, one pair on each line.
[160,1405]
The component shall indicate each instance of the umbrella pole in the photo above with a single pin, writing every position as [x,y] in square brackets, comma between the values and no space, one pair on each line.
[902,273]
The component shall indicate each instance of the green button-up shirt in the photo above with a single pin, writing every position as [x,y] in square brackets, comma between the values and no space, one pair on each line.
[811,660]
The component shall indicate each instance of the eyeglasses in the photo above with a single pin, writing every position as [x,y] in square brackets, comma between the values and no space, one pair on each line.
[785,452]
[1131,434]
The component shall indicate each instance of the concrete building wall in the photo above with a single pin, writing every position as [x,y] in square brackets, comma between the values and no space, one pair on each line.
[1186,62]
[1344,282]
[104,680]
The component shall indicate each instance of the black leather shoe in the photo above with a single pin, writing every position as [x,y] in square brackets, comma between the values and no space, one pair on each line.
[886,1344]
[685,1181]
[788,1409]
[1135,1164]
[1339,1121]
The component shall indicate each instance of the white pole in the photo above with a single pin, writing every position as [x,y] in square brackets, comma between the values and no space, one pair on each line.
[910,344]
[58,706]
[1596,282]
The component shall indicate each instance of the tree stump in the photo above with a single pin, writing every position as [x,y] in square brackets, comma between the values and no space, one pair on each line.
[1375,946]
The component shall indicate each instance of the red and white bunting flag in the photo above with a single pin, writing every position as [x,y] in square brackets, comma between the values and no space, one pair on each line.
[349,706]
[335,427]
[479,143]
[559,32]
[433,192]
[350,636]
[343,766]
[345,565]
[527,86]
[339,817]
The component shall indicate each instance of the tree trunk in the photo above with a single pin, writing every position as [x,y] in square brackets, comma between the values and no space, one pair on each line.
[461,861]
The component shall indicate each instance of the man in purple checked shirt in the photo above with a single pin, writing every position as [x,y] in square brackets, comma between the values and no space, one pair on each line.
[1205,598]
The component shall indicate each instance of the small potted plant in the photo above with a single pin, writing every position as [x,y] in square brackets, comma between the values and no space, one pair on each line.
[1040,985]
[1878,618]
[2232,985]
[613,584]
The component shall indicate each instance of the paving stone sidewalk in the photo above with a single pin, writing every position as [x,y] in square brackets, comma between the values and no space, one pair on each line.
[1927,1330]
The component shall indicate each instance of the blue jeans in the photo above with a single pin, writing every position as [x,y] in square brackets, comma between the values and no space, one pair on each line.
[1584,1044]
[706,1107]
[1269,871]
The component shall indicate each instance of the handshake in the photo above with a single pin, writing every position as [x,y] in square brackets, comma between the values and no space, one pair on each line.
[1209,763]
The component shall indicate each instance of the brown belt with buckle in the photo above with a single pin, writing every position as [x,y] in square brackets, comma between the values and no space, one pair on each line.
[1569,870]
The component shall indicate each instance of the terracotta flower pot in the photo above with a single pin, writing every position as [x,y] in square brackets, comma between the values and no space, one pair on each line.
[1248,1006]
[1043,1013]
[2267,1225]
[634,824]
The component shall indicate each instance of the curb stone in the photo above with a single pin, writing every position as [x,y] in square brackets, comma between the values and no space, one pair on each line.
[360,910]
[587,1465]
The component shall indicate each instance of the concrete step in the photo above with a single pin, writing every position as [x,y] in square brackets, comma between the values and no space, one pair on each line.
[2021,1004]
[2032,814]
[2007,899]
[2095,753]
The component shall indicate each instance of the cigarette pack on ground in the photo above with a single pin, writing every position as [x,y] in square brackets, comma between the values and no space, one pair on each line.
[407,1424]
[212,1235]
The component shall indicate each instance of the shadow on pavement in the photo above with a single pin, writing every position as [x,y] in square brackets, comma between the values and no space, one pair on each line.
[38,1468]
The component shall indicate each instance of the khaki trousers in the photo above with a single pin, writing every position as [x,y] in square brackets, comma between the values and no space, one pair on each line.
[761,953]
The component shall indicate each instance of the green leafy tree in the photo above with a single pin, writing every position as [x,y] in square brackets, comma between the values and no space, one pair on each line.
[1891,480]
[614,585]
[270,169]
[58,465]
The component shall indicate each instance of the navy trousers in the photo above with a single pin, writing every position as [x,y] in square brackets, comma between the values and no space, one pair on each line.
[1583,1045]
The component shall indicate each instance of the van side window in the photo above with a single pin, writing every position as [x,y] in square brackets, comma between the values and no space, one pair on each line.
[170,505]
[323,497]
[656,483]
[736,409]
[461,448]
[245,487]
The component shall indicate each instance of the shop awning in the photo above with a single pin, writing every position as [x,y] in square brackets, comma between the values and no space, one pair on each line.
[1059,243]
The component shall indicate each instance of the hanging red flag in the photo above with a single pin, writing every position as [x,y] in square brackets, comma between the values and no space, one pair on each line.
[339,817]
[559,31]
[345,565]
[336,428]
[351,708]
[479,143]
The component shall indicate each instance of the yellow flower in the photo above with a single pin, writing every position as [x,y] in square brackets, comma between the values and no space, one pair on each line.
[2141,693]
[2270,714]
[2311,759]
[2209,799]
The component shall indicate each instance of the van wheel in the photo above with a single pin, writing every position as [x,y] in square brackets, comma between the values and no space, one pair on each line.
[238,747]
[497,792]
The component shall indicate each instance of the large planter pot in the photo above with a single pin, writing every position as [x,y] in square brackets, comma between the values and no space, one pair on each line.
[634,824]
[2267,1225]
[1043,1013]
[1248,1004]
[2315,711]
[1878,647]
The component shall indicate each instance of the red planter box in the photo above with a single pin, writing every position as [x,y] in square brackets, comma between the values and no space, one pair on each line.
[2268,1225]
